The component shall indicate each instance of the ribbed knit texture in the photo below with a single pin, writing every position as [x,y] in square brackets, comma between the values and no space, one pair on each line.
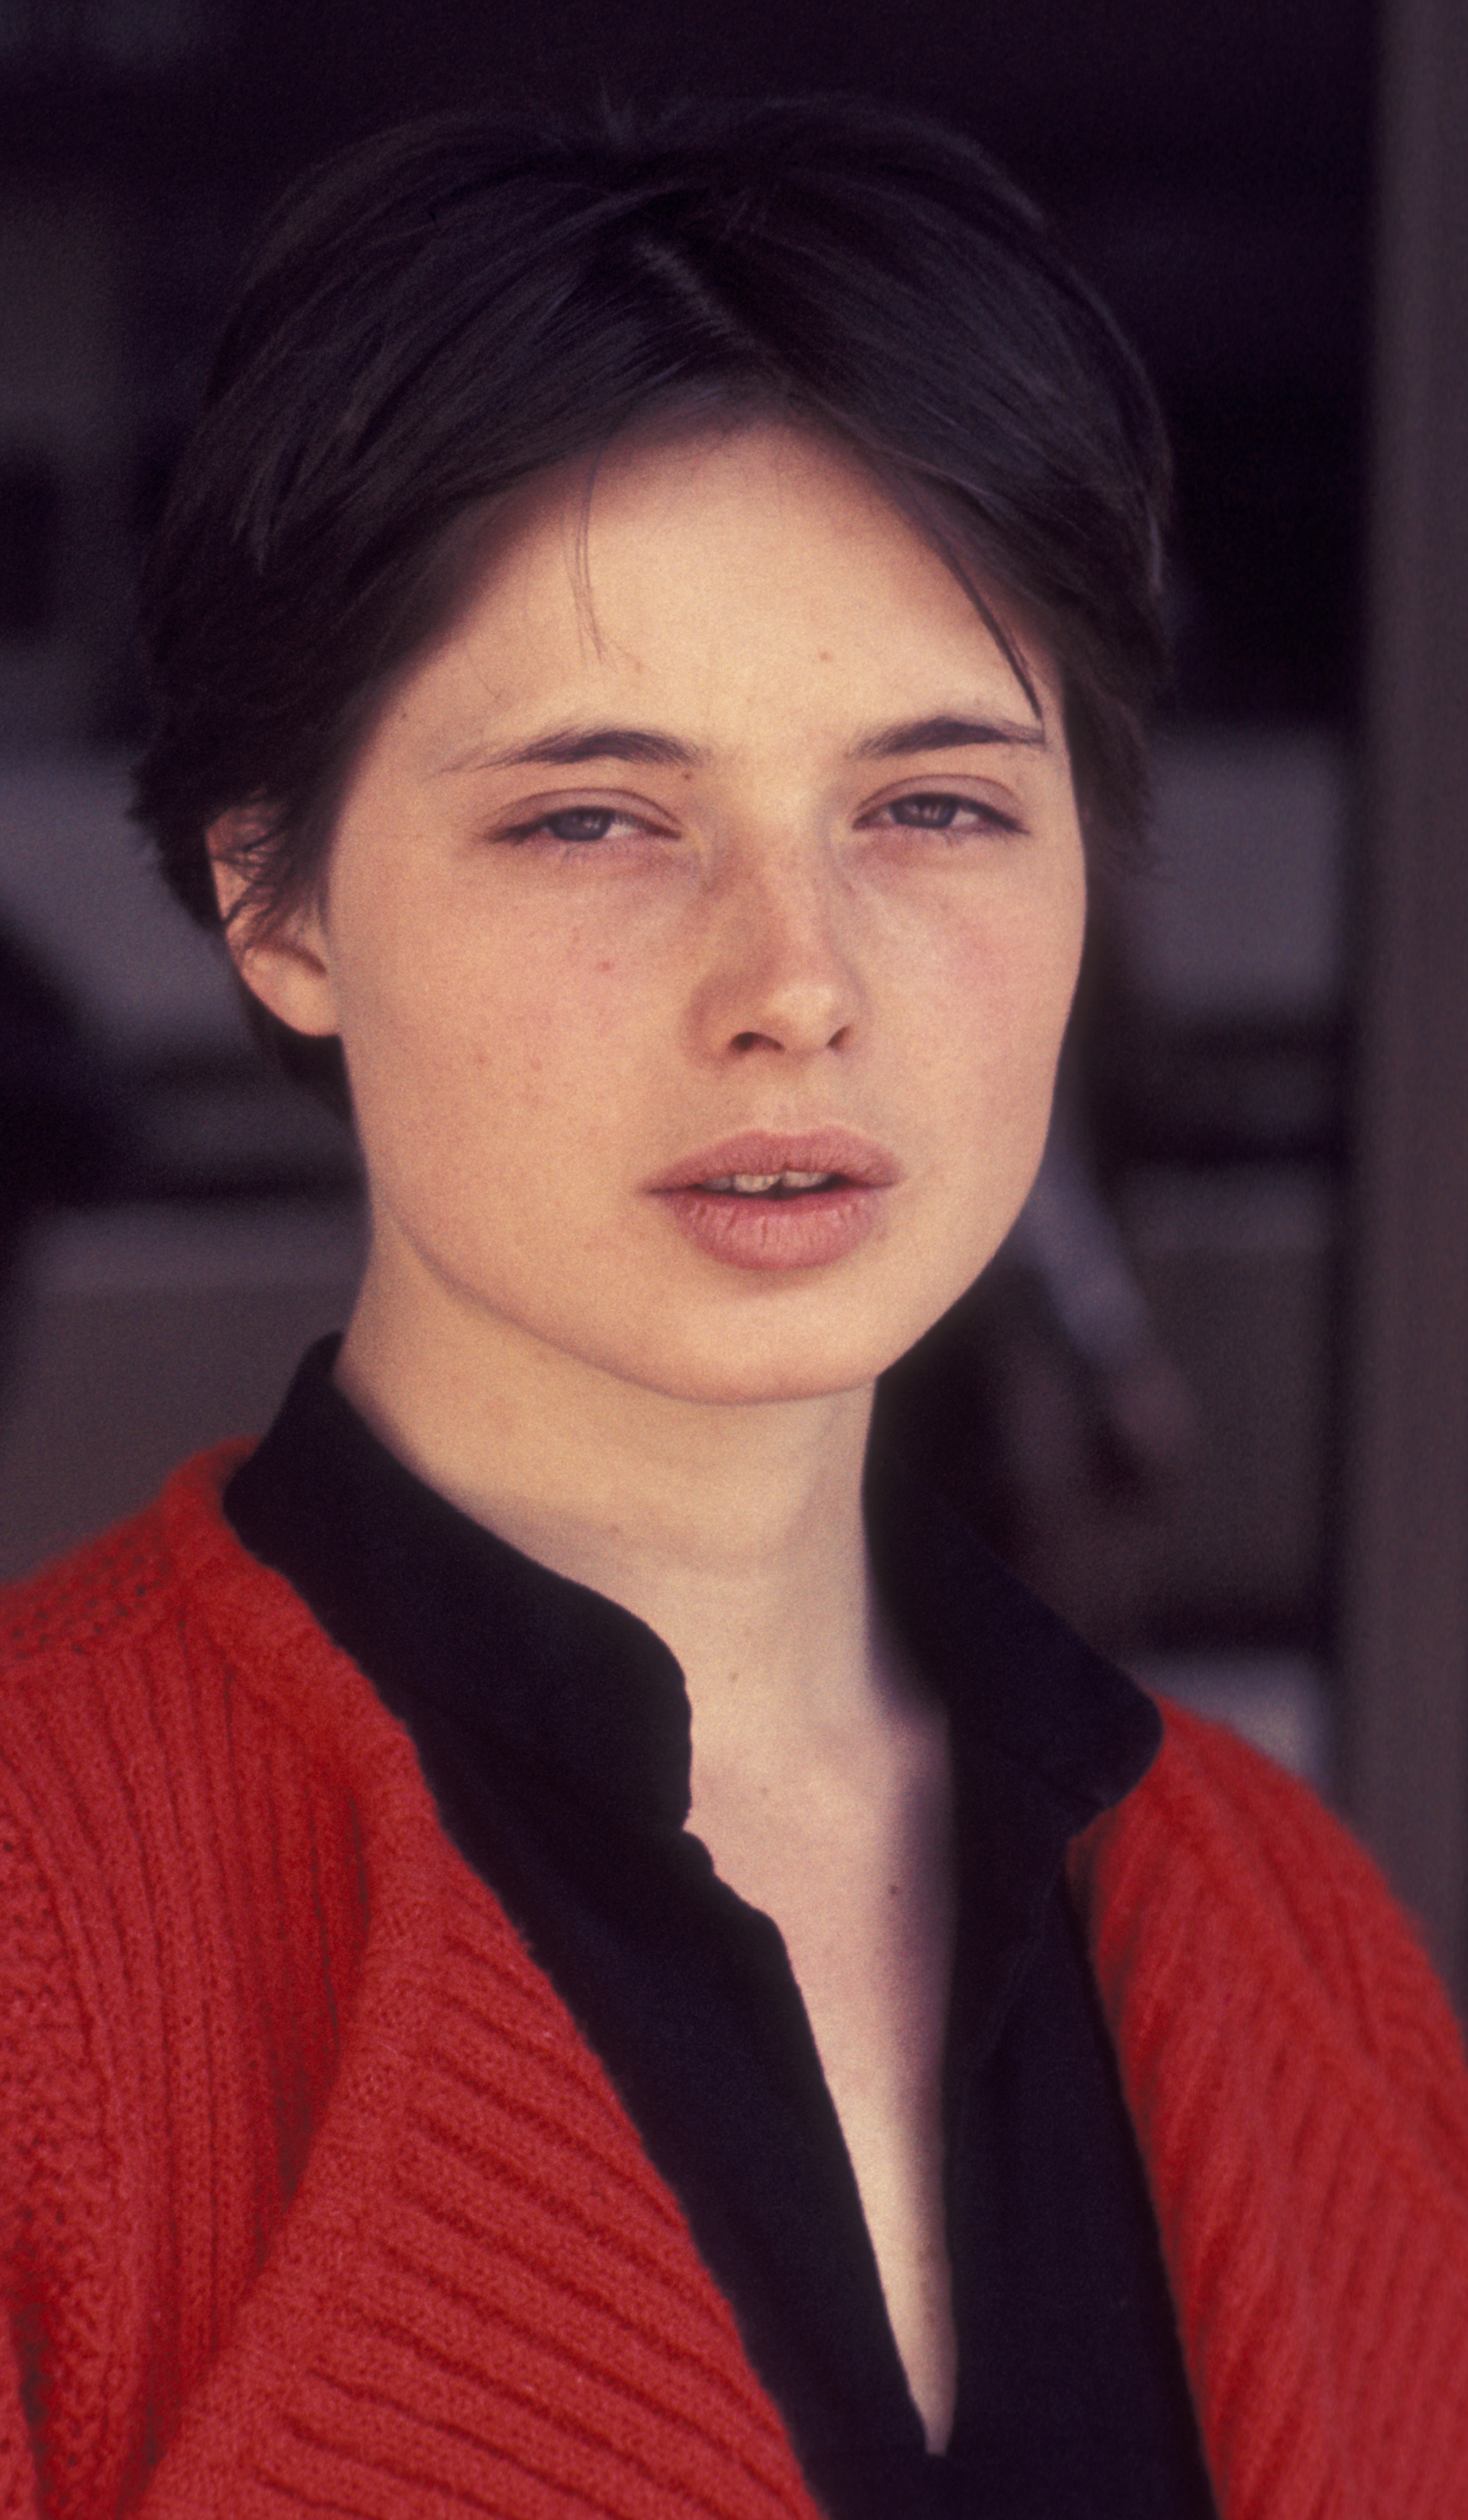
[314,2201]
[311,2186]
[1297,2084]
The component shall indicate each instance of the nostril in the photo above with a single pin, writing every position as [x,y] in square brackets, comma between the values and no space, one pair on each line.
[747,1041]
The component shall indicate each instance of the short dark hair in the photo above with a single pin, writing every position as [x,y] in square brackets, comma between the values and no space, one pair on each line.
[450,308]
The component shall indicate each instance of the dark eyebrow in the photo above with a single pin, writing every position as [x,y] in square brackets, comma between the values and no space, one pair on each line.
[566,746]
[943,735]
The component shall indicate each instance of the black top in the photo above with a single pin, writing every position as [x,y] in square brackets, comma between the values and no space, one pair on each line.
[554,1733]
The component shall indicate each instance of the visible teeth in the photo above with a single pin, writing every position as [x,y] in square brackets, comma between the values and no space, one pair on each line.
[760,1185]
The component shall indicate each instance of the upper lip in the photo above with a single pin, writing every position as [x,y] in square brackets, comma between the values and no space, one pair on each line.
[780,1150]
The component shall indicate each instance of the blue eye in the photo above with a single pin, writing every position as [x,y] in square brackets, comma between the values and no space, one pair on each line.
[573,826]
[577,828]
[579,823]
[934,812]
[925,813]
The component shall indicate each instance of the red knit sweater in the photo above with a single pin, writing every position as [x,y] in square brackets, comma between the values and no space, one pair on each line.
[314,2201]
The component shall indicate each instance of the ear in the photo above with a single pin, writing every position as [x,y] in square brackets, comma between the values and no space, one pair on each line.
[287,967]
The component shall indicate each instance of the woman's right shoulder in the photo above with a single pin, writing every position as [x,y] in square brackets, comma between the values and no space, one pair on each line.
[159,1682]
[97,1614]
[98,1660]
[174,1565]
[119,1660]
[109,1590]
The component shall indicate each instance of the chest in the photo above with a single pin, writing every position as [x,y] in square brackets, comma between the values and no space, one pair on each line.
[850,1853]
[855,1868]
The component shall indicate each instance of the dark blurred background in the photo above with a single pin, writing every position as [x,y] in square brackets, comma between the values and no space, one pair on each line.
[1170,1407]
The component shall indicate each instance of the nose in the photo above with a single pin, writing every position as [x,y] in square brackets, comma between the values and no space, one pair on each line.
[779,970]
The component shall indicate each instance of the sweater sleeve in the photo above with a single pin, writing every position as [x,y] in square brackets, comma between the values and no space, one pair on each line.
[73,2221]
[1298,2088]
[1364,1955]
[18,2476]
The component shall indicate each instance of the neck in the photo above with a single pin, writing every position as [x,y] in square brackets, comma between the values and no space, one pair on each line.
[733,1530]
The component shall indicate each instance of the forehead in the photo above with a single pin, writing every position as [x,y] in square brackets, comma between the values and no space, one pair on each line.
[739,576]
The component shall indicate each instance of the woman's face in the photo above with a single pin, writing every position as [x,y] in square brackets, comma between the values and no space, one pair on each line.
[719,841]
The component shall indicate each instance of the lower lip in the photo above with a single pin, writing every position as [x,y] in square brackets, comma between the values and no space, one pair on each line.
[802,1233]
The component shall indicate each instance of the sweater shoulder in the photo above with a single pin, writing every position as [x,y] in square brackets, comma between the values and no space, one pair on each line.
[109,1591]
[1274,1848]
[118,1587]
[1222,1869]
[169,1604]
[167,1703]
[1298,2088]
[147,1683]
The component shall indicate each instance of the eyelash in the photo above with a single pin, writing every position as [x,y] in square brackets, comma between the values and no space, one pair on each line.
[543,826]
[989,818]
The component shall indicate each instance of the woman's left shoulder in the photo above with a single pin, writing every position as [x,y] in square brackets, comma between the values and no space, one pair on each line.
[1222,1867]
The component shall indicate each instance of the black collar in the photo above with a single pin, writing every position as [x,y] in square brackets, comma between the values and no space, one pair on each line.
[580,1691]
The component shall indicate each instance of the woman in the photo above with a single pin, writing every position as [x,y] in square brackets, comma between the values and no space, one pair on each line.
[574,1944]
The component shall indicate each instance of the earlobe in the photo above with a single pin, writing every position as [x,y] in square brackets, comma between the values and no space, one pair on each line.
[286,963]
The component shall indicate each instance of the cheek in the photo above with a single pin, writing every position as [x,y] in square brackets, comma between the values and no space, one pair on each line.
[481,1034]
[1002,993]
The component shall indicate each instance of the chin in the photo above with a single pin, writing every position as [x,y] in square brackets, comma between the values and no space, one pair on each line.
[769,1371]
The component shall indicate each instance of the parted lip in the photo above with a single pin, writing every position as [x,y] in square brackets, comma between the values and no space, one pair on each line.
[768,1150]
